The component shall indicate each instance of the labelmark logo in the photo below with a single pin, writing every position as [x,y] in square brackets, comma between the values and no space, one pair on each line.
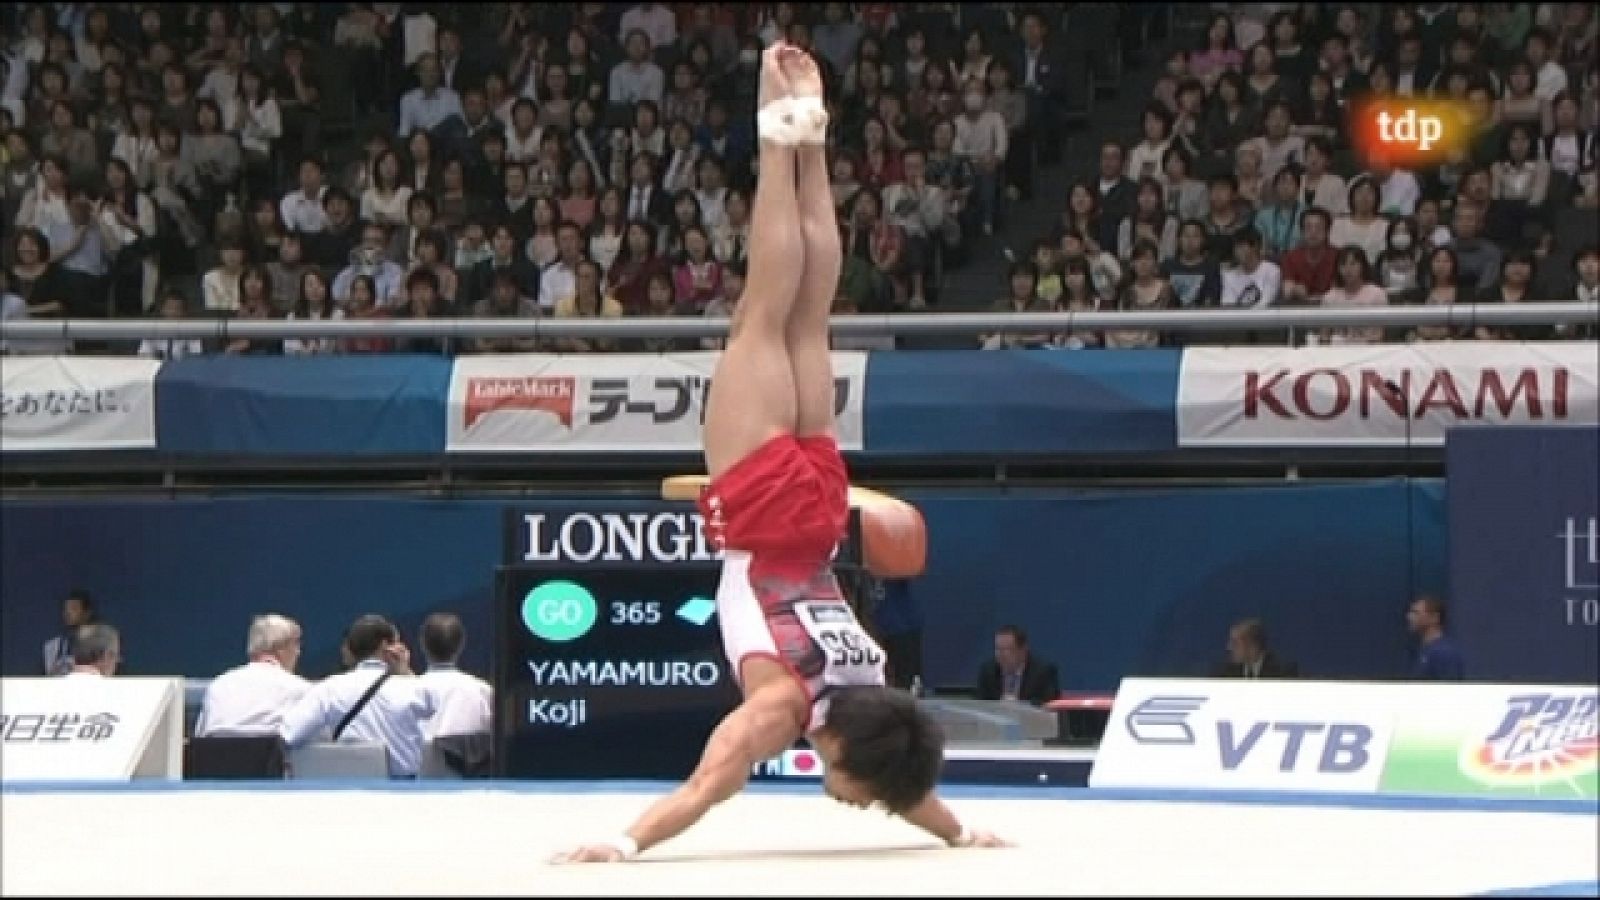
[697,610]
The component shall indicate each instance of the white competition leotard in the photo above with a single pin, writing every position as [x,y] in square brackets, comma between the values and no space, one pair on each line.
[806,625]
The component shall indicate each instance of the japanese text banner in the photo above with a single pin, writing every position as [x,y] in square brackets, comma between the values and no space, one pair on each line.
[641,403]
[77,403]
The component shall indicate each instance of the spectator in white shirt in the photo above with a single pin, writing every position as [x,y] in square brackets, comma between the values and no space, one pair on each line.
[393,716]
[981,138]
[220,286]
[370,259]
[463,702]
[252,699]
[430,104]
[559,282]
[302,209]
[1252,283]
[654,19]
[1552,78]
[96,651]
[638,78]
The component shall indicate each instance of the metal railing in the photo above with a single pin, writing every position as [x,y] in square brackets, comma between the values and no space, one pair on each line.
[896,324]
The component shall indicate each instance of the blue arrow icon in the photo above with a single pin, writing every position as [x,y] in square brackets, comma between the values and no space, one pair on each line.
[698,610]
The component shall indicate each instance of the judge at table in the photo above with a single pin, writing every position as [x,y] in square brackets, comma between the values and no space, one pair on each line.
[1016,674]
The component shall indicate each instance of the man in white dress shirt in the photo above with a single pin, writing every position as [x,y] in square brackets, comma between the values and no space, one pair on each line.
[253,698]
[393,716]
[462,701]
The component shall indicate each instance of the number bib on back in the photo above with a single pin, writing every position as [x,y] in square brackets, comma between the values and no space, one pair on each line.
[851,657]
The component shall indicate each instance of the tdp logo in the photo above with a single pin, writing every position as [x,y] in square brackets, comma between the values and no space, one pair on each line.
[1422,132]
[1410,132]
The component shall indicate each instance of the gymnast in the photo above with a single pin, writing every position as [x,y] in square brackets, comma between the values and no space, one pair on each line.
[777,506]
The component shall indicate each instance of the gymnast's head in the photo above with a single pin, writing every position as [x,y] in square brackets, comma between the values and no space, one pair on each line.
[880,748]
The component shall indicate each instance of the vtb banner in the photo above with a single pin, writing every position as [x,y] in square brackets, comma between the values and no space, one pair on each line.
[1449,739]
[1379,395]
[53,403]
[638,403]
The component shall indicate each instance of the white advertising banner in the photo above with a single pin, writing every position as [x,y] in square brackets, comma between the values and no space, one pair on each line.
[1255,735]
[639,403]
[1456,739]
[52,403]
[84,728]
[1380,394]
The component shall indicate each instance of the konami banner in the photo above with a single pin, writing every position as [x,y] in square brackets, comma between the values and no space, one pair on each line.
[1381,394]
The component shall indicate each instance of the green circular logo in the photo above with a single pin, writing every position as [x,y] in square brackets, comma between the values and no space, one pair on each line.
[559,611]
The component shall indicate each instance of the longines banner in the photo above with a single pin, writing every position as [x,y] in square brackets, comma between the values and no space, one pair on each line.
[1381,394]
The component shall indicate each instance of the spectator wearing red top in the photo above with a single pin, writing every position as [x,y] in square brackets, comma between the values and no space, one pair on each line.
[1308,270]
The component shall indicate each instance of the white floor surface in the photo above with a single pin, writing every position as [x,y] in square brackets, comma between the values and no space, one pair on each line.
[490,841]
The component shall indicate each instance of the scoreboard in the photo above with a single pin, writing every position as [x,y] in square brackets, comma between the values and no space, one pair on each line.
[608,658]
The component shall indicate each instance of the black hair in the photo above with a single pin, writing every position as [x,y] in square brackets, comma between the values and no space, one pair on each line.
[368,634]
[1016,632]
[887,743]
[442,637]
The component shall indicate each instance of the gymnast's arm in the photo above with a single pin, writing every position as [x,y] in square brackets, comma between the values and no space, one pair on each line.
[761,728]
[932,816]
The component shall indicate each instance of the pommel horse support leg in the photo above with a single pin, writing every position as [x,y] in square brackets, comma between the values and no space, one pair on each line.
[894,537]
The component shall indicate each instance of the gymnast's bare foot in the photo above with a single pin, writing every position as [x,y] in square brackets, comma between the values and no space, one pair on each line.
[800,71]
[774,83]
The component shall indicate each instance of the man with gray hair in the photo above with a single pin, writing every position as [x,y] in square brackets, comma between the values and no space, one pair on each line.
[251,699]
[96,651]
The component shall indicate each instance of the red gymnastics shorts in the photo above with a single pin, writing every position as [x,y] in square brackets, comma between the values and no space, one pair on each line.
[785,504]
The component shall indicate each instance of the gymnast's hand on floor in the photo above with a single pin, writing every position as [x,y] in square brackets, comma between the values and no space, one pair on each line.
[985,839]
[593,853]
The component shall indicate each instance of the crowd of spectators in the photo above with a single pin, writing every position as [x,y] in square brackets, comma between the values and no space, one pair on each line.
[1244,187]
[415,160]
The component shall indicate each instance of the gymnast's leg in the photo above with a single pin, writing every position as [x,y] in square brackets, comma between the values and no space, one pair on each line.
[752,397]
[807,333]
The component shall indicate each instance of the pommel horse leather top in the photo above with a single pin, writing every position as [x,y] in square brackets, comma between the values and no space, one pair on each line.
[894,537]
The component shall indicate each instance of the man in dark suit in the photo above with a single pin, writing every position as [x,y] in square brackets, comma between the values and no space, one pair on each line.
[1015,673]
[1039,72]
[1248,656]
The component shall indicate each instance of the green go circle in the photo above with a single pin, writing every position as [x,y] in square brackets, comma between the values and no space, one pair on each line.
[559,611]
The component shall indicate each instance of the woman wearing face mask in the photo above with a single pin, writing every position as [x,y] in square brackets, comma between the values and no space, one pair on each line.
[1397,268]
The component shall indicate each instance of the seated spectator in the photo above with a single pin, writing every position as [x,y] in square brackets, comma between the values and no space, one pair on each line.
[637,78]
[1105,271]
[1249,656]
[1047,262]
[1252,282]
[586,302]
[1278,217]
[220,286]
[1520,184]
[332,247]
[1478,256]
[505,300]
[1146,158]
[96,651]
[1247,172]
[1354,287]
[1363,227]
[395,709]
[698,277]
[1186,197]
[722,306]
[1144,290]
[371,259]
[1078,294]
[386,199]
[1278,147]
[1516,280]
[421,300]
[430,104]
[302,208]
[1320,187]
[1195,275]
[1398,189]
[1309,270]
[464,704]
[921,210]
[1397,268]
[1023,298]
[255,304]
[252,699]
[1585,289]
[1149,220]
[1227,214]
[1443,288]
[315,304]
[1016,674]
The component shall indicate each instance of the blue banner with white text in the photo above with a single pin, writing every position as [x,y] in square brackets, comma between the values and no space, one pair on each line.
[1524,599]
